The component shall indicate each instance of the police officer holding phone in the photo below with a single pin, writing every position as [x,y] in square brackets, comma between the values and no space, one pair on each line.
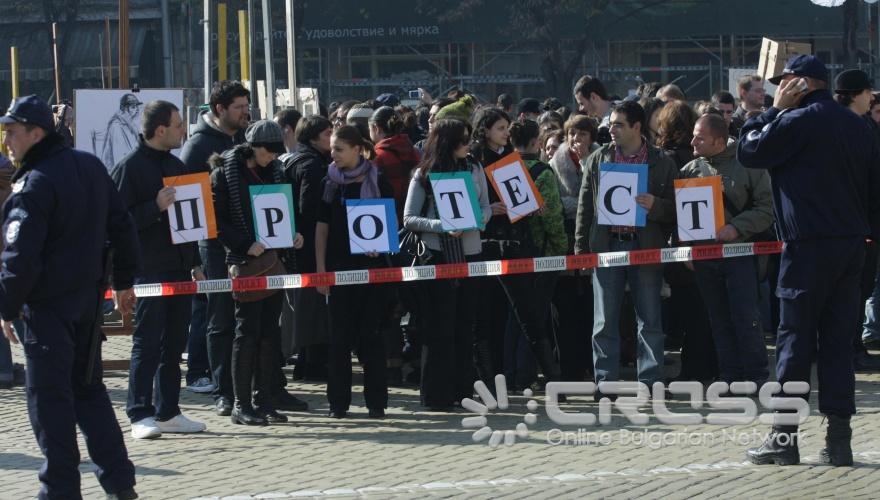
[63,211]
[824,163]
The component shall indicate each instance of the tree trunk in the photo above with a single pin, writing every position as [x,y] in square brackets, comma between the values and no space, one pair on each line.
[850,29]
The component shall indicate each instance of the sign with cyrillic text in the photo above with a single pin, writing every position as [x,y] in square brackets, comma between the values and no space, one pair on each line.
[191,216]
[619,184]
[456,200]
[272,209]
[372,226]
[510,178]
[699,208]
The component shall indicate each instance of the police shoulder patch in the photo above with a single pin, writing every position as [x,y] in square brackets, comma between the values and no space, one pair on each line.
[12,231]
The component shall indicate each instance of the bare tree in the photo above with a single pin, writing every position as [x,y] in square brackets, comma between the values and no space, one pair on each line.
[850,28]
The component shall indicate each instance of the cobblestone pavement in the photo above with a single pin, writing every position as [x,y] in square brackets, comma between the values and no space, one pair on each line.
[420,454]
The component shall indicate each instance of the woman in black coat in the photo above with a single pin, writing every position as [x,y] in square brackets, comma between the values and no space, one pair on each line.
[257,333]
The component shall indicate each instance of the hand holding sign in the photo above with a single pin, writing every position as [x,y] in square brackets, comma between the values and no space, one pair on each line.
[187,198]
[165,198]
[511,180]
[728,234]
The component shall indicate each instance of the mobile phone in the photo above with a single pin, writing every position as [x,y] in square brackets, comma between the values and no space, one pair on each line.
[802,85]
[415,94]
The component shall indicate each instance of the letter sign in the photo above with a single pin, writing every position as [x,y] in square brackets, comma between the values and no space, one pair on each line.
[191,216]
[510,178]
[372,226]
[619,184]
[456,200]
[272,210]
[699,208]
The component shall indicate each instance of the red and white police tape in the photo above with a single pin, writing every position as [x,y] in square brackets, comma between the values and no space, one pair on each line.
[463,270]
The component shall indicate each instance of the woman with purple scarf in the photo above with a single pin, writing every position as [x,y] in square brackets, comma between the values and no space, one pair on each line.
[355,310]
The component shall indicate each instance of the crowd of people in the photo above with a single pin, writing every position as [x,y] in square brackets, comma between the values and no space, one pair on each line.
[444,335]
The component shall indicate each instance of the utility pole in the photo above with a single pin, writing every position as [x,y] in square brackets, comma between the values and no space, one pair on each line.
[267,47]
[206,24]
[291,53]
[123,44]
[252,63]
[166,46]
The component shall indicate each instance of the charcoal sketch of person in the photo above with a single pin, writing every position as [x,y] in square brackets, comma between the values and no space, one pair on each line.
[121,136]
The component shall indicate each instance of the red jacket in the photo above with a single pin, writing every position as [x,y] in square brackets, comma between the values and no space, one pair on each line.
[396,157]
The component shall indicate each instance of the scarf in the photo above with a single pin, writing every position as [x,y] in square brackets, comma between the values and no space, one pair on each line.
[337,177]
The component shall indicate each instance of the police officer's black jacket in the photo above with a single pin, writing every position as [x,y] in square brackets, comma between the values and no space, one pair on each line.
[63,211]
[824,165]
[138,177]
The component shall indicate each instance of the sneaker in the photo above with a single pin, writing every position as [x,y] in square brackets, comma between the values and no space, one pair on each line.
[180,425]
[201,386]
[145,428]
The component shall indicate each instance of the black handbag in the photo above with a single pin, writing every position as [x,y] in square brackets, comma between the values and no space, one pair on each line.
[413,250]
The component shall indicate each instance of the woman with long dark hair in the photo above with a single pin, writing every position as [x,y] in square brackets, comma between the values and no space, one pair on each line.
[257,333]
[450,304]
[355,310]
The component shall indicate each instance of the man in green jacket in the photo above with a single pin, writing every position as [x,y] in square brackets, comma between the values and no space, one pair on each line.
[627,122]
[730,286]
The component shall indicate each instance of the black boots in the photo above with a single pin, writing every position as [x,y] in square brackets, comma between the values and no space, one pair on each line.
[779,448]
[837,450]
[246,415]
[128,494]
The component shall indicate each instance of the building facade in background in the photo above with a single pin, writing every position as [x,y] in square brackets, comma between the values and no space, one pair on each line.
[349,49]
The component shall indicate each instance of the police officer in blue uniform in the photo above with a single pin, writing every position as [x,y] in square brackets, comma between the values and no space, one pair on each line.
[63,212]
[824,163]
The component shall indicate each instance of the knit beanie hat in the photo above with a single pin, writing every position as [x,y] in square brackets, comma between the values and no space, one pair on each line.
[461,109]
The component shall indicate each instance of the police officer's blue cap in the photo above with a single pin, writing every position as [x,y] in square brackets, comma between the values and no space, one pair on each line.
[29,110]
[803,65]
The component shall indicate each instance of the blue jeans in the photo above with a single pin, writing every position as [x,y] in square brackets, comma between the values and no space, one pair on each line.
[609,285]
[157,343]
[871,328]
[730,291]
